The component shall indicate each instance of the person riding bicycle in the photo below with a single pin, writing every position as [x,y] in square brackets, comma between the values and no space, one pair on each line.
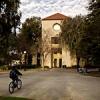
[14,73]
[16,82]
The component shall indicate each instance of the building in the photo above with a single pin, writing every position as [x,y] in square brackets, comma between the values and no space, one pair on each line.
[54,54]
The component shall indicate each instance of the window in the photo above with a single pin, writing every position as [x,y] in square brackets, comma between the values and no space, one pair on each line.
[56,27]
[57,50]
[55,40]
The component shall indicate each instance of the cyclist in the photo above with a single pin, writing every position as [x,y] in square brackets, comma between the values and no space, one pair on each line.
[14,73]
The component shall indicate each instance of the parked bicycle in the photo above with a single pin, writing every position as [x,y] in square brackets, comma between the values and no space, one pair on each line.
[15,84]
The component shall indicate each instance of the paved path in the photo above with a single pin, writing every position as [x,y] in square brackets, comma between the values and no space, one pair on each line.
[56,84]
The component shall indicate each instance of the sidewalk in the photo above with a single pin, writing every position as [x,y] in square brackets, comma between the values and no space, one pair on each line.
[4,72]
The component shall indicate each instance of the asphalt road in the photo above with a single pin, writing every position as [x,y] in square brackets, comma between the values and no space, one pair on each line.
[55,84]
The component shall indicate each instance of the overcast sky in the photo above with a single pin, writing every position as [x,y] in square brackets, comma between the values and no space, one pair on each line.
[44,8]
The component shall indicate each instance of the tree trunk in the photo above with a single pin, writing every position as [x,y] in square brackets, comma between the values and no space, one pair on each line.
[43,62]
[78,66]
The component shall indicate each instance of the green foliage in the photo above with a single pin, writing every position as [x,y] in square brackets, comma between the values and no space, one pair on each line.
[82,35]
[91,39]
[9,16]
[9,20]
[3,67]
[72,32]
[30,34]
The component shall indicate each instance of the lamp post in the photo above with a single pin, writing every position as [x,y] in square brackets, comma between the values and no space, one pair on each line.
[25,58]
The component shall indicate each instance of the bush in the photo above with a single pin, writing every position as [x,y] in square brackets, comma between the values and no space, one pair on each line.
[46,66]
[24,66]
[4,67]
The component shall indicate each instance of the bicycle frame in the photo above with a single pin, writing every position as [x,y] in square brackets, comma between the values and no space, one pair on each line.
[15,84]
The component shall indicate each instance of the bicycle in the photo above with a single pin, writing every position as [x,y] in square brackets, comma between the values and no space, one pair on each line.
[15,84]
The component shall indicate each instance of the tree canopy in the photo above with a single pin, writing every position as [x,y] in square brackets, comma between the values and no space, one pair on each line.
[30,37]
[72,33]
[82,34]
[30,34]
[9,21]
[92,33]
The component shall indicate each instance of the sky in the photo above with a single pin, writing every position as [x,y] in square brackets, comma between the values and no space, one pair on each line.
[44,8]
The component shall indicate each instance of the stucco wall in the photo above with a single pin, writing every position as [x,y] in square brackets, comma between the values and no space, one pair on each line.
[47,28]
[68,59]
[47,25]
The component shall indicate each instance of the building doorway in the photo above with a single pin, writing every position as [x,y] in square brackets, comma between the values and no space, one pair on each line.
[60,63]
[38,59]
[55,62]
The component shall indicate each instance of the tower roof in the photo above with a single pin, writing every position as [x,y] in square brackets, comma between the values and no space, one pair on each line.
[56,16]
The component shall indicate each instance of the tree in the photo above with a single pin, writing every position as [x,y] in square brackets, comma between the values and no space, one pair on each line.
[45,46]
[91,39]
[9,15]
[9,20]
[30,35]
[72,33]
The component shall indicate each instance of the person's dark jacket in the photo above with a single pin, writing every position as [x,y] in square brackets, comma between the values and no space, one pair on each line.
[17,72]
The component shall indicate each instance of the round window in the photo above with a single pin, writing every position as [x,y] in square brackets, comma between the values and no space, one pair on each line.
[56,27]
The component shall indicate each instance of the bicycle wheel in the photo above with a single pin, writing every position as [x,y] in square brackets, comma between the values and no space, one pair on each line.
[19,84]
[11,87]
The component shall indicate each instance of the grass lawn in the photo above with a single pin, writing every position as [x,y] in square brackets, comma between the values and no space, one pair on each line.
[13,98]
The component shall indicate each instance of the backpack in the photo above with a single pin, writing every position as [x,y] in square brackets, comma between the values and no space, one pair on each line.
[12,74]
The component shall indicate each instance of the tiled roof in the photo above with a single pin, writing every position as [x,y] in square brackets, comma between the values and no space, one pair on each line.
[56,16]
